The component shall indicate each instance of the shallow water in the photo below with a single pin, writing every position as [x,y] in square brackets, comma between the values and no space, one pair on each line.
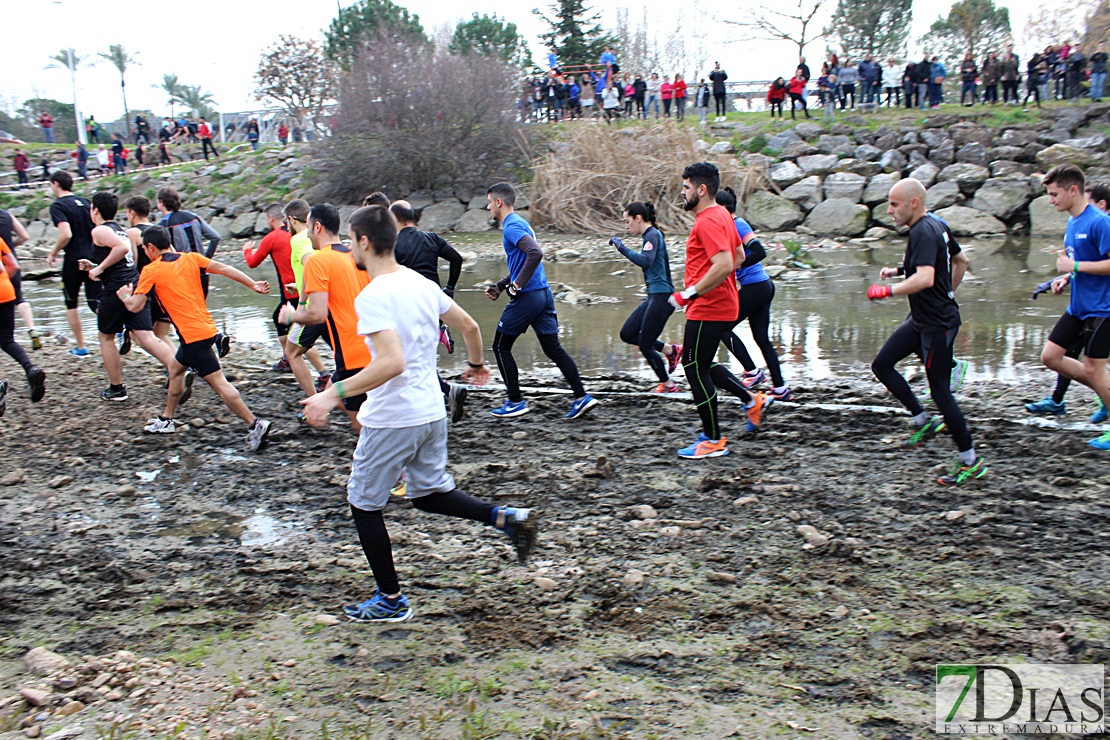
[822,323]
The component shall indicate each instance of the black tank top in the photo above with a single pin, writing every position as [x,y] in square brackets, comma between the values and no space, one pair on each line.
[122,272]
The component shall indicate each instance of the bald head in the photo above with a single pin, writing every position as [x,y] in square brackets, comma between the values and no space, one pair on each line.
[402,211]
[907,201]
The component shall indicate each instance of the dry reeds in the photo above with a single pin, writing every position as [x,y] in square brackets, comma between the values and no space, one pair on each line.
[584,183]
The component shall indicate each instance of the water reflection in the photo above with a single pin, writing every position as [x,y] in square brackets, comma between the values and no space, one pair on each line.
[822,324]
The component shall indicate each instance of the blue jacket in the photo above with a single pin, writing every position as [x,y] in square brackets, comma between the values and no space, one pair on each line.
[868,71]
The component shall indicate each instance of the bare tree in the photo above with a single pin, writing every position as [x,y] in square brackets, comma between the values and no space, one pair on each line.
[1058,22]
[297,75]
[795,21]
[639,51]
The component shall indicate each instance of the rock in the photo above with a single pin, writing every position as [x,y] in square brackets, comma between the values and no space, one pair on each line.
[60,480]
[633,578]
[812,536]
[844,185]
[715,577]
[969,222]
[879,187]
[916,157]
[475,221]
[797,149]
[953,515]
[933,137]
[643,511]
[880,216]
[326,620]
[126,490]
[33,731]
[421,199]
[830,144]
[943,155]
[839,612]
[942,195]
[71,708]
[768,212]
[222,226]
[14,477]
[867,153]
[879,232]
[230,170]
[243,225]
[1045,220]
[1064,154]
[1003,198]
[1018,137]
[745,500]
[806,193]
[1005,152]
[861,168]
[818,164]
[35,697]
[262,224]
[886,141]
[1094,141]
[1006,168]
[968,176]
[785,174]
[442,216]
[973,153]
[926,173]
[782,139]
[965,133]
[809,130]
[838,217]
[722,147]
[893,161]
[1055,136]
[545,584]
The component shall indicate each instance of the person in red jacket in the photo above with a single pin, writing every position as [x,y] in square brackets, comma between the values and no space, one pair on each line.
[22,164]
[205,135]
[796,88]
[679,97]
[666,92]
[275,245]
[47,122]
[283,133]
[776,95]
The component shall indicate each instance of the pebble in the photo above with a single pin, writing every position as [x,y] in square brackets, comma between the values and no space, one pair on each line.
[953,515]
[545,584]
[715,577]
[61,480]
[745,500]
[839,612]
[670,531]
[643,511]
[14,477]
[197,422]
[520,435]
[65,683]
[35,697]
[813,537]
[126,490]
[590,695]
[327,620]
[71,708]
[43,662]
[33,731]
[633,578]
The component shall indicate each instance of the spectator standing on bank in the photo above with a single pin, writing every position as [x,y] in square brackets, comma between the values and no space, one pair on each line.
[718,77]
[283,134]
[1077,65]
[205,135]
[825,83]
[776,95]
[611,103]
[679,93]
[893,86]
[796,89]
[1010,74]
[923,74]
[653,89]
[118,164]
[47,122]
[701,101]
[629,95]
[989,77]
[253,134]
[909,84]
[639,92]
[868,81]
[574,98]
[936,83]
[666,93]
[1035,70]
[969,71]
[848,77]
[805,75]
[1060,70]
[1098,72]
[21,164]
[81,154]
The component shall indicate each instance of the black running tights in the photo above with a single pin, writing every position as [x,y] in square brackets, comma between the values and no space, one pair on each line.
[7,336]
[643,327]
[705,375]
[549,343]
[755,306]
[374,537]
[1063,382]
[935,351]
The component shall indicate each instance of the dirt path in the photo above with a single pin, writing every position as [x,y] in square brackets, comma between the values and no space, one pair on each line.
[712,616]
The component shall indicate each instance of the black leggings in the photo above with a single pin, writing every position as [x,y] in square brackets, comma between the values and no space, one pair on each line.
[719,100]
[1009,90]
[1063,382]
[776,105]
[374,537]
[1034,90]
[549,343]
[755,306]
[643,328]
[796,98]
[705,375]
[7,337]
[935,350]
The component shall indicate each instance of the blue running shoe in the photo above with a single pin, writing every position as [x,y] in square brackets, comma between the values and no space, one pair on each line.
[1047,406]
[1101,443]
[379,609]
[510,409]
[522,526]
[79,351]
[1100,414]
[580,406]
[704,447]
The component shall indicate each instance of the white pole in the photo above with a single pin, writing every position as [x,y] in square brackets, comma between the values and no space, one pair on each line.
[76,111]
[223,139]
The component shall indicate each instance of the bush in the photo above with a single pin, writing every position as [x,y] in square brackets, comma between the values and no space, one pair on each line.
[757,143]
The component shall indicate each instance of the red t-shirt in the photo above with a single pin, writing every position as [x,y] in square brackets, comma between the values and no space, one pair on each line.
[204,132]
[275,245]
[679,89]
[714,231]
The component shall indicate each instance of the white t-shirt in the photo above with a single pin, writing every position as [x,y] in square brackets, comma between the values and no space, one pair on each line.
[410,305]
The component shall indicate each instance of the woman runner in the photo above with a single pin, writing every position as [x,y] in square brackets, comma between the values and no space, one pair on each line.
[756,293]
[646,323]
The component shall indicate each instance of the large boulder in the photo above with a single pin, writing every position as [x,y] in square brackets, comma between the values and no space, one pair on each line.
[1064,154]
[1093,141]
[844,186]
[889,140]
[475,220]
[809,130]
[830,144]
[243,225]
[933,137]
[421,199]
[785,174]
[880,216]
[806,193]
[973,153]
[262,224]
[722,147]
[1045,220]
[943,154]
[926,173]
[1005,168]
[783,138]
[943,195]
[859,167]
[867,153]
[839,217]
[768,212]
[1054,136]
[966,221]
[1017,137]
[797,149]
[1003,198]
[965,133]
[1013,153]
[968,176]
[222,226]
[818,164]
[893,160]
[442,216]
[879,187]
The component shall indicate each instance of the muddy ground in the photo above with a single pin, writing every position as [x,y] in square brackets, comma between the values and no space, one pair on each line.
[713,618]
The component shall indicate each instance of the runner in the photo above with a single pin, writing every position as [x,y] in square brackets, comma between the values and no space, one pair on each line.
[300,341]
[756,291]
[531,304]
[71,215]
[113,266]
[403,421]
[13,232]
[932,276]
[1098,195]
[643,327]
[275,245]
[331,283]
[36,378]
[712,307]
[1086,268]
[177,275]
[421,251]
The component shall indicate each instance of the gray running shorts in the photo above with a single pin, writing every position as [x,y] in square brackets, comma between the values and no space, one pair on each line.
[381,456]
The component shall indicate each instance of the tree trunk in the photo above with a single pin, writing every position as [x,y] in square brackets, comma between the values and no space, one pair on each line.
[126,115]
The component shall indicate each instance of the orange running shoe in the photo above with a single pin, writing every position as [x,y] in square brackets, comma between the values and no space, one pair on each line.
[755,413]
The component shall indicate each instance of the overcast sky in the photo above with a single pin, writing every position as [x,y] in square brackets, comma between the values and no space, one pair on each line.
[217,46]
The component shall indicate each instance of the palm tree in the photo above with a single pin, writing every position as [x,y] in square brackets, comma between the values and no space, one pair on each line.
[196,100]
[172,87]
[70,60]
[121,60]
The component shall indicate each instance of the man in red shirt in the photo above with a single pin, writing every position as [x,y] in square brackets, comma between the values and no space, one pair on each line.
[47,122]
[679,93]
[22,164]
[712,308]
[205,135]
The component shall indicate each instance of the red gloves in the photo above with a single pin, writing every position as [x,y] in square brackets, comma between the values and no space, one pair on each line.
[879,292]
[679,301]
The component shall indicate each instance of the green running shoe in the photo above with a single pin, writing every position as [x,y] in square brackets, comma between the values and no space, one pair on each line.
[961,474]
[923,434]
[959,373]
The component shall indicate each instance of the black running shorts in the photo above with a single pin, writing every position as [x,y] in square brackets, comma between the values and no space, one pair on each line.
[351,403]
[1096,331]
[73,277]
[306,336]
[200,356]
[113,316]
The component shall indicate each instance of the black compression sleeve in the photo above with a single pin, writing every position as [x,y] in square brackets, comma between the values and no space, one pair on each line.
[754,253]
[533,253]
[454,261]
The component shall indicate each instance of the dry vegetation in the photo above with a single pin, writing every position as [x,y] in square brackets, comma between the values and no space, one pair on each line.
[583,185]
